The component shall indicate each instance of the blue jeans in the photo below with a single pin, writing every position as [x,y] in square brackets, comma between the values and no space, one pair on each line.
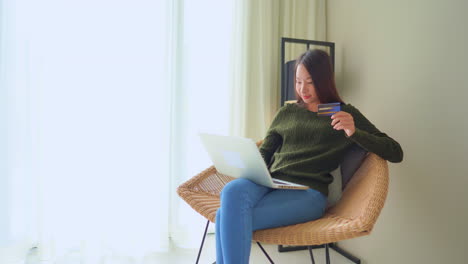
[247,206]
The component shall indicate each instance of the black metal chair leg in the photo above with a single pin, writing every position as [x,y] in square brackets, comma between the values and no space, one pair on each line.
[327,252]
[311,255]
[345,254]
[282,248]
[327,247]
[264,252]
[203,241]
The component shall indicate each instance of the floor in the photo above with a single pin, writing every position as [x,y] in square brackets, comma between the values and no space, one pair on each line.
[183,256]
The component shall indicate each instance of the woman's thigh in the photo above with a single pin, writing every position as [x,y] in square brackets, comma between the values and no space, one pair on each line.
[243,192]
[287,207]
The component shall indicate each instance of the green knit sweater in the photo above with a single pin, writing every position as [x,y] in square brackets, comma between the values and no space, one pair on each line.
[304,148]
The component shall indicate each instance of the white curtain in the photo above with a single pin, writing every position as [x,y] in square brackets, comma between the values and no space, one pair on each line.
[17,192]
[104,103]
[101,103]
[202,101]
[259,26]
[100,107]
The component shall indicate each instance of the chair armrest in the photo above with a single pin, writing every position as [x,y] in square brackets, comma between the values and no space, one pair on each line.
[365,195]
[202,192]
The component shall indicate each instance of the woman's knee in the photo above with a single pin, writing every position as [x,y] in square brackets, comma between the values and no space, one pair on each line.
[320,203]
[233,189]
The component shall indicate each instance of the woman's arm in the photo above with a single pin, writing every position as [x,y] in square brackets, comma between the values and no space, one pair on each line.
[360,130]
[269,145]
[273,139]
[371,139]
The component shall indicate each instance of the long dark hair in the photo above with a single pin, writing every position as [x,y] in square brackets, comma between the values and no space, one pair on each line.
[318,64]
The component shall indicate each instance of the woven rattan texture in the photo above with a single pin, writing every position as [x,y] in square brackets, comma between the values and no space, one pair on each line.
[353,216]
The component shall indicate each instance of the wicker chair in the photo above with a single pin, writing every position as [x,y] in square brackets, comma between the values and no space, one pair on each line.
[352,216]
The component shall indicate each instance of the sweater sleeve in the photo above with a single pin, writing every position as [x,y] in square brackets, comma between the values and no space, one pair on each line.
[273,139]
[373,140]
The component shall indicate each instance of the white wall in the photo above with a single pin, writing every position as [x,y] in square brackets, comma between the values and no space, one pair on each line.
[404,64]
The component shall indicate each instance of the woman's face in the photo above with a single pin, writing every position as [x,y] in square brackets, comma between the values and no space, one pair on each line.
[305,86]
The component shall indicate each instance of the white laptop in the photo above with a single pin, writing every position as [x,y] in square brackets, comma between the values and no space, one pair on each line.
[240,158]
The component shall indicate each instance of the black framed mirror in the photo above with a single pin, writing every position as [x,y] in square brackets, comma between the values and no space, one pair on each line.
[291,48]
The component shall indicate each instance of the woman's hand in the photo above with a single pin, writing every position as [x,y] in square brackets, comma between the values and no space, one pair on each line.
[343,121]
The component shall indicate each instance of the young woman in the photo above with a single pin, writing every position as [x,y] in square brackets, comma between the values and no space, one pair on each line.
[299,147]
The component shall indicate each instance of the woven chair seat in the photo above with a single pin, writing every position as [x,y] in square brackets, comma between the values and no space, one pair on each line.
[352,216]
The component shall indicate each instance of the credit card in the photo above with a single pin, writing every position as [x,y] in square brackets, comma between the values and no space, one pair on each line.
[328,109]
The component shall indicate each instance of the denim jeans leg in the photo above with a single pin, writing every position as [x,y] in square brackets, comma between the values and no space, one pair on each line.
[219,248]
[288,207]
[235,220]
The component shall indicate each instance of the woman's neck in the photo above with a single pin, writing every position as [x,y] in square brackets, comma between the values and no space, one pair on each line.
[312,107]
